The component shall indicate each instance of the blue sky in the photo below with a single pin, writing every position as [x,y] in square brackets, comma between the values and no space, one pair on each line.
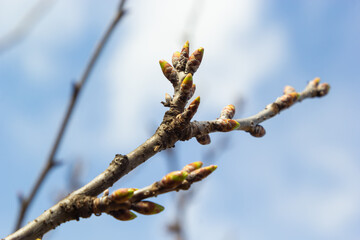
[300,181]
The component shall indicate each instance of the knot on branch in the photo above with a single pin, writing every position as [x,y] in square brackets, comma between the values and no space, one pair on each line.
[120,162]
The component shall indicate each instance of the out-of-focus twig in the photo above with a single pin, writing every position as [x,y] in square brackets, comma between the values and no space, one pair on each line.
[26,25]
[51,162]
[184,199]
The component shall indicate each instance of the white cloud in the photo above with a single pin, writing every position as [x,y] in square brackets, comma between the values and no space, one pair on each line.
[327,210]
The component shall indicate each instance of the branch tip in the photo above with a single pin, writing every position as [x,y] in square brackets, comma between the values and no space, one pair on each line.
[147,207]
[201,173]
[192,166]
[185,49]
[323,89]
[258,131]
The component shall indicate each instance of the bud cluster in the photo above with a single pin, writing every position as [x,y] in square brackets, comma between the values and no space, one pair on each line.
[123,201]
[181,73]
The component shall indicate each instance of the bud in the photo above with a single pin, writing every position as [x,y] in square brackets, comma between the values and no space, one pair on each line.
[147,208]
[315,82]
[194,61]
[122,194]
[258,131]
[201,173]
[175,58]
[191,110]
[180,62]
[173,179]
[323,89]
[192,91]
[192,166]
[289,89]
[287,100]
[227,125]
[185,50]
[168,71]
[187,84]
[166,68]
[123,215]
[228,112]
[204,139]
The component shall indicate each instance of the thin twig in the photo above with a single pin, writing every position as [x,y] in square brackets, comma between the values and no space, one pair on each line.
[50,163]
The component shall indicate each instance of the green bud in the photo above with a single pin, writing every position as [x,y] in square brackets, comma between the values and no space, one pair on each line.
[122,194]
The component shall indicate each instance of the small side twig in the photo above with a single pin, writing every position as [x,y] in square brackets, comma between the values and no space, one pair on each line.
[51,162]
[120,202]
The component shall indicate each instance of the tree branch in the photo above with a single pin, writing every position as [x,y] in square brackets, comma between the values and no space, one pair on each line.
[50,163]
[251,124]
[176,126]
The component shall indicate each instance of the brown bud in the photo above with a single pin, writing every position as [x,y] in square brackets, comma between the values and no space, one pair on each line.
[187,84]
[323,89]
[185,49]
[192,91]
[226,125]
[194,61]
[180,61]
[287,100]
[228,112]
[204,139]
[169,72]
[176,58]
[201,173]
[123,215]
[258,131]
[190,111]
[192,166]
[147,208]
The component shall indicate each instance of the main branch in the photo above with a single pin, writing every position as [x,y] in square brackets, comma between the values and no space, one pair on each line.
[177,125]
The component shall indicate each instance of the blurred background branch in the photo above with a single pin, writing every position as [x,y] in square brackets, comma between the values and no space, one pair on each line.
[77,87]
[26,25]
[183,200]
